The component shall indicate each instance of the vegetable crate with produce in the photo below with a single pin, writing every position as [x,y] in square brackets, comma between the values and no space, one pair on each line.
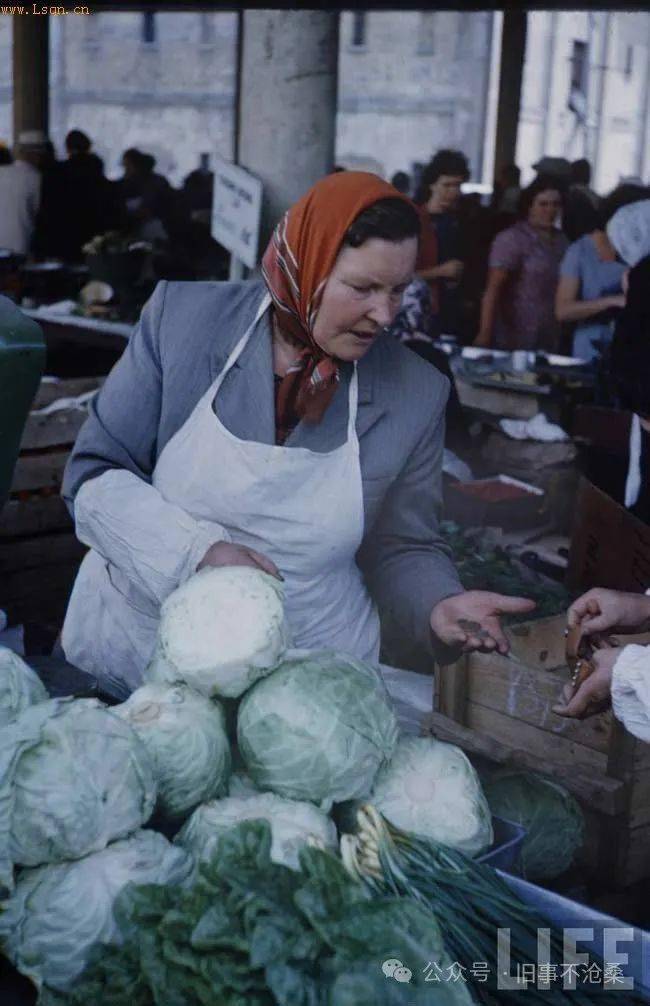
[251,902]
[500,709]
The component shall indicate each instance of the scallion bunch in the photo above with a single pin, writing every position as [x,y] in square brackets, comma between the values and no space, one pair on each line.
[471,902]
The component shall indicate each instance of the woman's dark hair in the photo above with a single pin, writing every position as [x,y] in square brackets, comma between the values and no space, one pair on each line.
[541,184]
[630,351]
[401,181]
[77,142]
[445,162]
[388,219]
[622,195]
[580,172]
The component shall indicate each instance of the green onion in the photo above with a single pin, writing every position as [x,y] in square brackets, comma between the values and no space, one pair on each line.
[470,901]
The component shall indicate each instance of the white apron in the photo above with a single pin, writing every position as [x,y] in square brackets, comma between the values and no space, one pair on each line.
[301,508]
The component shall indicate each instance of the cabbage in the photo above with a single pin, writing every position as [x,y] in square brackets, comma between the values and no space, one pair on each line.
[318,728]
[220,631]
[20,687]
[551,816]
[185,736]
[291,821]
[431,788]
[57,912]
[73,777]
[241,784]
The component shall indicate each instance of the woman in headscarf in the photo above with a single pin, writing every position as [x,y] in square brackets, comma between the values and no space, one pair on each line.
[273,424]
[589,292]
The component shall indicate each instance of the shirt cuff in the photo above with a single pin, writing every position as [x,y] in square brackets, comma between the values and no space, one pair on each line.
[207,535]
[631,690]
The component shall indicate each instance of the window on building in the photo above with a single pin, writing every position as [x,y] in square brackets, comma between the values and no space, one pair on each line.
[577,100]
[358,29]
[207,29]
[629,60]
[579,66]
[426,34]
[149,27]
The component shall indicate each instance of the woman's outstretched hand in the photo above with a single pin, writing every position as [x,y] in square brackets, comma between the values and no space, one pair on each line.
[471,620]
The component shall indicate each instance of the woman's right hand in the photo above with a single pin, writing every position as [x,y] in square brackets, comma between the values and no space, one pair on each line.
[222,553]
[599,610]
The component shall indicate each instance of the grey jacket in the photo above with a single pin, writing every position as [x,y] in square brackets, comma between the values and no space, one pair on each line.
[181,343]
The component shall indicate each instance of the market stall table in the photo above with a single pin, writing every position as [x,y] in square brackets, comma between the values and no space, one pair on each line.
[76,345]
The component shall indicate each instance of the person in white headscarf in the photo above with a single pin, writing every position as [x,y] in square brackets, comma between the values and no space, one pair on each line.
[629,232]
[622,673]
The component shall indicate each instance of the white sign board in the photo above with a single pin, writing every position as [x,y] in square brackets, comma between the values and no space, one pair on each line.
[236,211]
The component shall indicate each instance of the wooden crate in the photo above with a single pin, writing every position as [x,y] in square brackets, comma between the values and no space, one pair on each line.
[501,709]
[39,553]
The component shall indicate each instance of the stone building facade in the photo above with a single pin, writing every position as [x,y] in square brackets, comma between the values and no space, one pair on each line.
[409,82]
[586,92]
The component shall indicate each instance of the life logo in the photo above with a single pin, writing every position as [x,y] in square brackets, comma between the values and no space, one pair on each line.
[393,968]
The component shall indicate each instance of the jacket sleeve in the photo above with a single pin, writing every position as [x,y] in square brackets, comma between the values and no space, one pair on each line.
[107,482]
[405,562]
[631,690]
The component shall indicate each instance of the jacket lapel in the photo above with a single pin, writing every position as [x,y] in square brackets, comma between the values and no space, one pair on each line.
[245,403]
[372,403]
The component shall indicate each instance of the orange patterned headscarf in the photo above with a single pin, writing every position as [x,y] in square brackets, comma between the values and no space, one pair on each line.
[296,266]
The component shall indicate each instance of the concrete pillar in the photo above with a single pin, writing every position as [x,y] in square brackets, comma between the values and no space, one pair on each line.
[30,73]
[549,77]
[287,103]
[513,54]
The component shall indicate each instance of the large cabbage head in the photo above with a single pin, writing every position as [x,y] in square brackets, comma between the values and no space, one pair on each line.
[318,728]
[220,631]
[292,822]
[20,687]
[56,913]
[551,816]
[431,788]
[73,777]
[185,736]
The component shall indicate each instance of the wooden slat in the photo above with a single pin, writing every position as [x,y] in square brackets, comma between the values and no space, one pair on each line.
[33,517]
[39,471]
[38,595]
[452,690]
[50,391]
[35,553]
[640,800]
[609,796]
[539,643]
[527,696]
[59,429]
[550,749]
[634,862]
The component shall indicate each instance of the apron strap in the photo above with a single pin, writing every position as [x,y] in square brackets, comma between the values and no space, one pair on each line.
[264,305]
[353,403]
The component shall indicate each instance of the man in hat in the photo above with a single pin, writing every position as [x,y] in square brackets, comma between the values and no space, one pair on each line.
[20,189]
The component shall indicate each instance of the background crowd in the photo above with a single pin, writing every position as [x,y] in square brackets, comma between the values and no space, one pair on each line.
[534,270]
[51,208]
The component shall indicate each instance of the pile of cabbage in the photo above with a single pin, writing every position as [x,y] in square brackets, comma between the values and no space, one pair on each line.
[230,726]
